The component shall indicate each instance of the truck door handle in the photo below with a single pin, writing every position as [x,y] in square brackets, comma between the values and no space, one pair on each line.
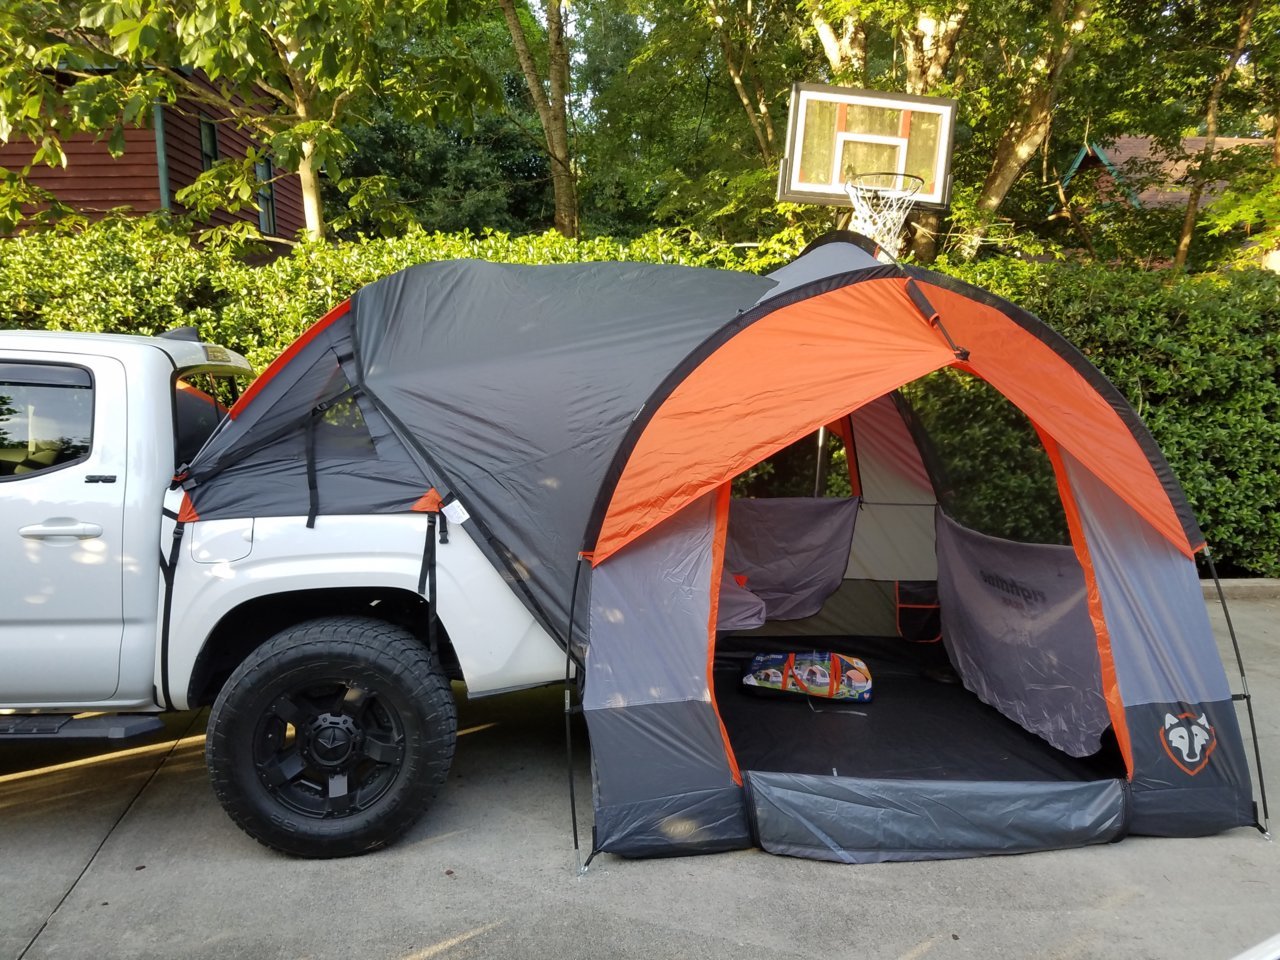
[61,527]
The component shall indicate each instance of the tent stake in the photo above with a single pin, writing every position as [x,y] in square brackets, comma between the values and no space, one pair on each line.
[1265,825]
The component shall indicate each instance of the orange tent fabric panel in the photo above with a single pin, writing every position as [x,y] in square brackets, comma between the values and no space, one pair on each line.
[799,367]
[282,361]
[1060,402]
[717,567]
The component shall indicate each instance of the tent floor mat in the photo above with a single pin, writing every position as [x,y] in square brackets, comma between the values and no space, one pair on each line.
[914,728]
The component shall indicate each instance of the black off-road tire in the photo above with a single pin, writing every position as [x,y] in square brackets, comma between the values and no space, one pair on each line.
[332,738]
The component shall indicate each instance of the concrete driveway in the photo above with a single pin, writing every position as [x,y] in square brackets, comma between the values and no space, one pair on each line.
[128,855]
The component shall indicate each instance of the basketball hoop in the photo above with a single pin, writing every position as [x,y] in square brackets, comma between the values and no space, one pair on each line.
[880,203]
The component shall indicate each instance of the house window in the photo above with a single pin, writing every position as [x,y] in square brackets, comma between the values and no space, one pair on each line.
[266,198]
[208,142]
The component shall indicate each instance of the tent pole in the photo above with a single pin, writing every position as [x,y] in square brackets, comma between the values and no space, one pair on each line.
[820,474]
[568,717]
[1244,695]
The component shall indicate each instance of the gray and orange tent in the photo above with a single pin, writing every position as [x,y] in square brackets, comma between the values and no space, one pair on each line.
[591,419]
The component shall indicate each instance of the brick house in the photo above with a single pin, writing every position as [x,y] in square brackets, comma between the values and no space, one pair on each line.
[159,160]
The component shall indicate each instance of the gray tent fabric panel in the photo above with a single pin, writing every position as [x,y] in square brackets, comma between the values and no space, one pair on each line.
[271,480]
[1016,624]
[1167,667]
[893,542]
[1161,639]
[348,439]
[655,737]
[793,550]
[702,821]
[894,539]
[827,260]
[1188,786]
[277,487]
[522,381]
[851,820]
[739,608]
[294,389]
[655,750]
[650,613]
[857,608]
[888,458]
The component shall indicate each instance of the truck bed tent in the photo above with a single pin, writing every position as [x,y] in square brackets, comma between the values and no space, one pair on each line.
[591,418]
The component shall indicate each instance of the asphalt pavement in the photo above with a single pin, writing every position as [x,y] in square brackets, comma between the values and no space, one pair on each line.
[127,854]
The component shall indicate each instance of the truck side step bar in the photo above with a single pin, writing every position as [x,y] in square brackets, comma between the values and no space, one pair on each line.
[62,726]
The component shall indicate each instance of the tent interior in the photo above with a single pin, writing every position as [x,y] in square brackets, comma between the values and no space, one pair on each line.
[983,660]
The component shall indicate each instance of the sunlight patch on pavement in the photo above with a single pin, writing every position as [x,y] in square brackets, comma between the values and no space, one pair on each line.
[103,758]
[477,729]
[920,949]
[437,949]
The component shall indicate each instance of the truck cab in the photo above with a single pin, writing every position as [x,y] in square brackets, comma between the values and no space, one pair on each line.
[332,721]
[90,426]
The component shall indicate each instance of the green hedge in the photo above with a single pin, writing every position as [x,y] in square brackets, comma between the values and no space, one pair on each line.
[1196,355]
[141,276]
[1199,358]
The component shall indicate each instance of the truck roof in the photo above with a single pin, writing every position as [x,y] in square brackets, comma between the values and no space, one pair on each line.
[186,355]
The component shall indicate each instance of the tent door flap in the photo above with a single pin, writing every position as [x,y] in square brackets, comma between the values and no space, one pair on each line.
[853,820]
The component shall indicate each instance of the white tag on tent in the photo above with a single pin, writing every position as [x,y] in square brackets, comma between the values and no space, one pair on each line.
[456,512]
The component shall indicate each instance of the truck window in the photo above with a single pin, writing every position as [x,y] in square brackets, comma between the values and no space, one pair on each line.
[199,404]
[46,417]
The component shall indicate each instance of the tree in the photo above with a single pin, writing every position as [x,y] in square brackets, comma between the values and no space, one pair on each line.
[1040,67]
[491,173]
[492,176]
[1211,130]
[870,42]
[929,40]
[551,100]
[741,27]
[289,72]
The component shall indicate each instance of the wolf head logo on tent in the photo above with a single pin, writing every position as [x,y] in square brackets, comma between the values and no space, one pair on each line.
[1188,739]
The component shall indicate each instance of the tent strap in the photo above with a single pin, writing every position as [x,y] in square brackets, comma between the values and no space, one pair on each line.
[427,579]
[168,564]
[313,487]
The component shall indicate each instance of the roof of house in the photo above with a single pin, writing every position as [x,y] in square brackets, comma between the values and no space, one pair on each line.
[1151,175]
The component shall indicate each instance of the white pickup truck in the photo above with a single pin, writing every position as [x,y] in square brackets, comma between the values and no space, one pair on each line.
[332,722]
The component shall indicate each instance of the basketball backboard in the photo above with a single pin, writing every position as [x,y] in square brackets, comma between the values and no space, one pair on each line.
[836,133]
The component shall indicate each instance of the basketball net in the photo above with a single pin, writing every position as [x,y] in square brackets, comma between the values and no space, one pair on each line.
[881,202]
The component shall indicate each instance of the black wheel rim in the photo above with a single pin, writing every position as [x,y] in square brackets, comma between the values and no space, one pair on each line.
[329,749]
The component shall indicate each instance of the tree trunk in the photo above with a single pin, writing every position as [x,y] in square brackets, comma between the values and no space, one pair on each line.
[1030,124]
[1275,131]
[846,52]
[760,126]
[925,226]
[928,47]
[1275,137]
[552,109]
[312,211]
[564,180]
[1211,134]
